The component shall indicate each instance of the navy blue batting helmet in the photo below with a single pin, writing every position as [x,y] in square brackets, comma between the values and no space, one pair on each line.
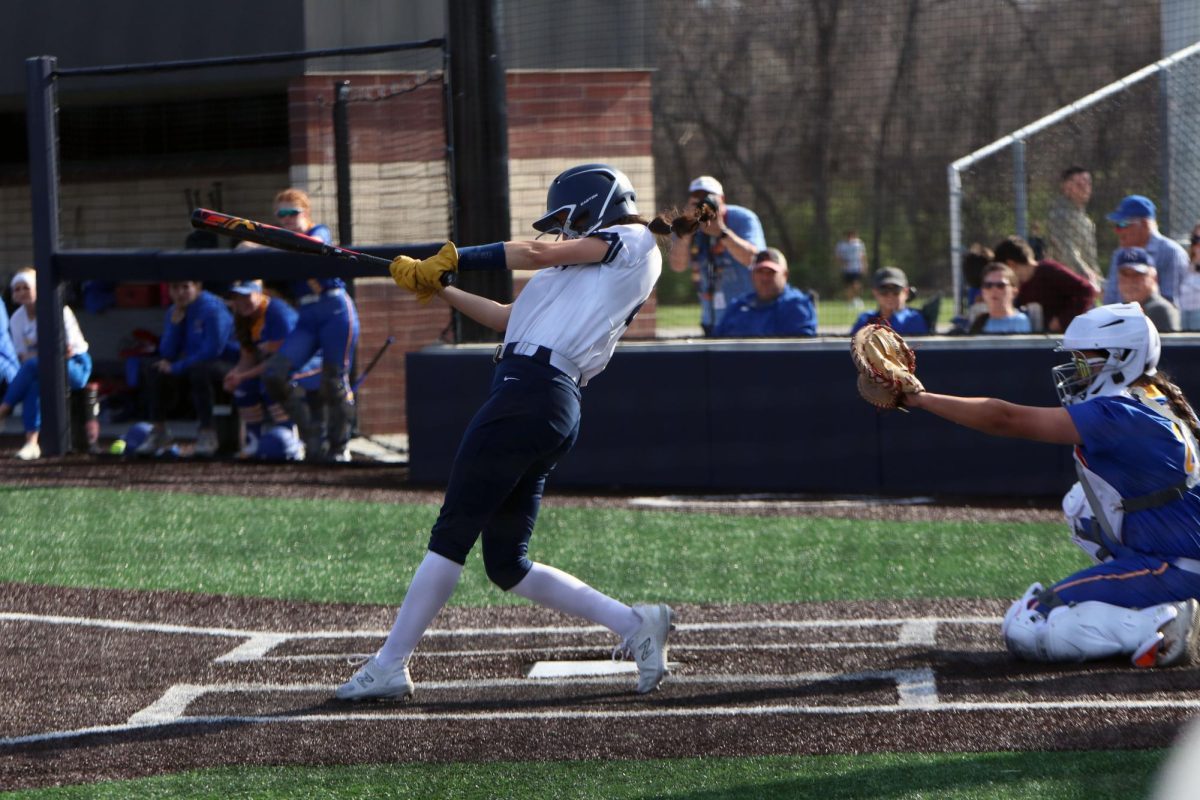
[585,199]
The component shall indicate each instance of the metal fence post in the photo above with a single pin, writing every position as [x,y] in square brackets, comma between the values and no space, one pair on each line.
[42,108]
[1020,189]
[954,179]
[341,151]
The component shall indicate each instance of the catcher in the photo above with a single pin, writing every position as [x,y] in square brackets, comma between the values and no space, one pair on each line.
[1135,509]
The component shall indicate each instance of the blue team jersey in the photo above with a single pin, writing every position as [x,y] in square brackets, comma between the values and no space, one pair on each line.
[1139,452]
[301,288]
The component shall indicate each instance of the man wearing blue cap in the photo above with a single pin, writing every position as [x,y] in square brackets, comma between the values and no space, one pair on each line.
[1135,225]
[1137,283]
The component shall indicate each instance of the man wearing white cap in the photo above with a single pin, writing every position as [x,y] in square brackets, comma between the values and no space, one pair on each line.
[720,252]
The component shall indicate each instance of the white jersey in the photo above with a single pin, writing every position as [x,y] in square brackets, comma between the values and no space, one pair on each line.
[580,311]
[24,333]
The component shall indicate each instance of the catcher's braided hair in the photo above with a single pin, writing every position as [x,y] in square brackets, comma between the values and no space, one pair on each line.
[682,223]
[1175,399]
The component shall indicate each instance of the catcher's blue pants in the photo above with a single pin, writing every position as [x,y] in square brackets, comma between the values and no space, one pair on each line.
[529,421]
[1132,580]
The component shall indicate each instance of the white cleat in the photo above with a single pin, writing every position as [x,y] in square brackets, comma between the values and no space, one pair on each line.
[30,452]
[648,646]
[1177,641]
[373,682]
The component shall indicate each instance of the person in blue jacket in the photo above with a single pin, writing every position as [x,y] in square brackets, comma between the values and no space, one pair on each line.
[774,308]
[196,334]
[328,324]
[9,363]
[891,290]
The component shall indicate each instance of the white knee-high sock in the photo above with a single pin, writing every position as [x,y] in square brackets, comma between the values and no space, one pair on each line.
[431,587]
[556,589]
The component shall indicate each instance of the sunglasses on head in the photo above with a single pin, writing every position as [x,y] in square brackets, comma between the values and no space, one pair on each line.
[287,212]
[996,284]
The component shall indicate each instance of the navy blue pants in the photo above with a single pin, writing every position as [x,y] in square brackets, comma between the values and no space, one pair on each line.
[529,421]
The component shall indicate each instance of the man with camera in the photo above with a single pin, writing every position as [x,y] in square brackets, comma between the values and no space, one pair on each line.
[719,253]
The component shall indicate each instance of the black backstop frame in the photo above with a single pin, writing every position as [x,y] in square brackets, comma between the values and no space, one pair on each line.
[55,266]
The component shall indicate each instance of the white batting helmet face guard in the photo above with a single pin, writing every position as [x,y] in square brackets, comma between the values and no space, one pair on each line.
[586,198]
[1129,348]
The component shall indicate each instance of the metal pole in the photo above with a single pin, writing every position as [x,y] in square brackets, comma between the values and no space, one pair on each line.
[41,126]
[341,149]
[954,179]
[1020,190]
[480,117]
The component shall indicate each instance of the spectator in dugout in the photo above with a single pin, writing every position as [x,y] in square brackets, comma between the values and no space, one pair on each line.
[1059,294]
[197,336]
[261,323]
[23,389]
[892,291]
[774,308]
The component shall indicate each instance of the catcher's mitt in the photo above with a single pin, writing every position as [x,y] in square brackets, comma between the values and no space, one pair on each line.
[886,366]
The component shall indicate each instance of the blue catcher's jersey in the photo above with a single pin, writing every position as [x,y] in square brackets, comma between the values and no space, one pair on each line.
[1138,452]
[301,288]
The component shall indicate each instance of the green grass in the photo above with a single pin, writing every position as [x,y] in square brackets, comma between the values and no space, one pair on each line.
[340,551]
[1115,775]
[365,552]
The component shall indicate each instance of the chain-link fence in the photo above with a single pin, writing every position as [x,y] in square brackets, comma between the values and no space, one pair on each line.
[138,154]
[827,115]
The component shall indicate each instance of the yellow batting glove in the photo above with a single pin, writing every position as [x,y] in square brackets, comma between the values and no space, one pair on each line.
[404,272]
[430,271]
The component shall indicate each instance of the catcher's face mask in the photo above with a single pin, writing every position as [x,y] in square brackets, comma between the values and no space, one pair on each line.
[1071,380]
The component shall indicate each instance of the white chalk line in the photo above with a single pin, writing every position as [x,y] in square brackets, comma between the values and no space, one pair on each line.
[916,689]
[258,643]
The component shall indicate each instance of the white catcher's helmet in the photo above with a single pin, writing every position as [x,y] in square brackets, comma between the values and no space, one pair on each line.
[1125,334]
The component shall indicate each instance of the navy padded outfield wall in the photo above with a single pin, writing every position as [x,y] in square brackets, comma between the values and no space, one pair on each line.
[775,416]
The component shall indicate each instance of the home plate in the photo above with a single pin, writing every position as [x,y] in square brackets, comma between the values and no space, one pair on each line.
[577,669]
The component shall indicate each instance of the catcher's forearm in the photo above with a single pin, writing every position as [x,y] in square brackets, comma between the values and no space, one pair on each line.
[984,414]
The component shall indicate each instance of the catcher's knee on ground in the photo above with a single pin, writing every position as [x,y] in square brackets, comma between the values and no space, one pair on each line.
[1081,632]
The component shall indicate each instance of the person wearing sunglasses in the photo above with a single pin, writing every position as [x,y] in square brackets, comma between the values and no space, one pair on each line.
[891,290]
[328,326]
[1061,294]
[1135,509]
[1135,224]
[999,288]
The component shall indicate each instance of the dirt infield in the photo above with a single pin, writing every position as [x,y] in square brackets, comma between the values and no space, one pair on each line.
[105,684]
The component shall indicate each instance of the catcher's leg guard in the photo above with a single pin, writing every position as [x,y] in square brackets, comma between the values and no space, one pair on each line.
[339,406]
[278,382]
[1082,632]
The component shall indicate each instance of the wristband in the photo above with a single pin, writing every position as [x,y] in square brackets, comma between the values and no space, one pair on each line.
[482,257]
